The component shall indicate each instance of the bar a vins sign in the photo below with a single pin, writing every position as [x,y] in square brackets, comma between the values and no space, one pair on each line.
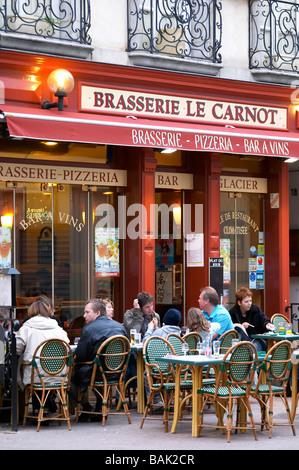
[133,103]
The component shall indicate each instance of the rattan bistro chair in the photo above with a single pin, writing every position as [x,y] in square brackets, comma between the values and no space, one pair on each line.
[226,340]
[192,339]
[275,371]
[160,376]
[279,318]
[233,383]
[109,369]
[51,370]
[176,342]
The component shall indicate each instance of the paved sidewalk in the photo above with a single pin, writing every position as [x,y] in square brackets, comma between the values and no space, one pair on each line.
[118,435]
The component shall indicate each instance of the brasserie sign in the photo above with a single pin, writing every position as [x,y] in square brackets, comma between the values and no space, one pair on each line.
[133,103]
[63,175]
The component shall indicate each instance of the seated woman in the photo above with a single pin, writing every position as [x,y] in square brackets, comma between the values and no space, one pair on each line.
[251,319]
[39,327]
[196,321]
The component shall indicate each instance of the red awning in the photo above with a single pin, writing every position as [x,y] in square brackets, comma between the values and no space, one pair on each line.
[130,131]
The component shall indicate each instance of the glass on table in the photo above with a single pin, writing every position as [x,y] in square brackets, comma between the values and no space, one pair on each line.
[199,347]
[132,335]
[185,348]
[76,340]
[137,338]
[216,348]
[281,328]
[289,329]
[235,341]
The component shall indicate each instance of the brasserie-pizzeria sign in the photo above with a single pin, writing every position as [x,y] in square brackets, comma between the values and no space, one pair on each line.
[140,104]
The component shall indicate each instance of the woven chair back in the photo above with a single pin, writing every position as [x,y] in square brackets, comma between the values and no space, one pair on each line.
[154,348]
[278,361]
[192,339]
[279,318]
[240,362]
[176,342]
[52,358]
[113,355]
[226,340]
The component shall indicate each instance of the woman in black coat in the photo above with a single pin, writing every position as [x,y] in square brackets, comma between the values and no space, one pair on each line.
[251,317]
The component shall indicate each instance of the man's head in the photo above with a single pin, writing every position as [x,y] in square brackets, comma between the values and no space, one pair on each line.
[145,302]
[208,299]
[172,317]
[93,309]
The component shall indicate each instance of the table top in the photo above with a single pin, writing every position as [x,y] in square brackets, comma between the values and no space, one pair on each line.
[195,359]
[276,336]
[191,359]
[136,347]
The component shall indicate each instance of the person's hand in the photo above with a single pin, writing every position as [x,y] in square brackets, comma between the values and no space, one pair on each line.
[135,303]
[245,324]
[270,327]
[153,324]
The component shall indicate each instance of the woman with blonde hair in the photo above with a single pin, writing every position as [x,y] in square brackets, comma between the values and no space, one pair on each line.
[196,321]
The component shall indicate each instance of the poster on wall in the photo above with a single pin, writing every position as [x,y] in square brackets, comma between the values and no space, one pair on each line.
[163,287]
[164,254]
[194,250]
[225,254]
[107,252]
[5,247]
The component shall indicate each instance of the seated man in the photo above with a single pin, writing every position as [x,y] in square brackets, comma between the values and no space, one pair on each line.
[97,329]
[141,315]
[214,312]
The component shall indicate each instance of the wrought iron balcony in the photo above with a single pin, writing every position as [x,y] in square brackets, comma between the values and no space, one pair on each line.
[59,19]
[273,35]
[180,28]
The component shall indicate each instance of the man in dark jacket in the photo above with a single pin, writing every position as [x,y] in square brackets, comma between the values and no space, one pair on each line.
[98,327]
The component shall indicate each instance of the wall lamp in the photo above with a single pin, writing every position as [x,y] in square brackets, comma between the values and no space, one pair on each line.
[61,82]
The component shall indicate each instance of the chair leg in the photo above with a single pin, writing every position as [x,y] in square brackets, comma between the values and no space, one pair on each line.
[166,410]
[229,418]
[270,414]
[41,410]
[63,403]
[123,398]
[146,409]
[286,404]
[26,406]
[250,414]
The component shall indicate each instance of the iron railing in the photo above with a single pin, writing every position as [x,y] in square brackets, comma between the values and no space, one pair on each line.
[58,19]
[180,28]
[273,35]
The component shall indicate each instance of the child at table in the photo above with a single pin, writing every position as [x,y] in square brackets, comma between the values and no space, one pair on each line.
[196,321]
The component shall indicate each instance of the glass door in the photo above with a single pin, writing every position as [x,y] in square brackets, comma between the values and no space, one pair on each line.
[169,268]
[242,245]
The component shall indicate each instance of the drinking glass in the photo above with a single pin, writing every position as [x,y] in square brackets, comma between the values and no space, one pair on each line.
[216,348]
[137,338]
[281,328]
[199,347]
[289,329]
[132,335]
[76,340]
[185,348]
[235,341]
